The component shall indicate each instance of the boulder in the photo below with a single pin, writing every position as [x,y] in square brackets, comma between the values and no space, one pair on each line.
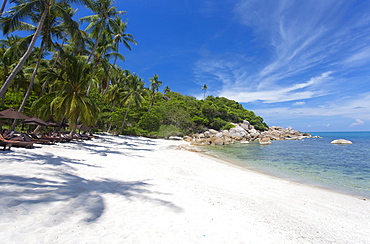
[246,125]
[237,132]
[341,141]
[217,141]
[265,141]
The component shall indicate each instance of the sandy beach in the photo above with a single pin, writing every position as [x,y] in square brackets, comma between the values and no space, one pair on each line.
[139,190]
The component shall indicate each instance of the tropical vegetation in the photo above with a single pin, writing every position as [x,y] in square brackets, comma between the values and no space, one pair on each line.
[52,67]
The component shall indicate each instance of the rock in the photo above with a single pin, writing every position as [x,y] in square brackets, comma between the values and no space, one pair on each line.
[246,125]
[245,132]
[219,135]
[341,141]
[178,138]
[265,141]
[237,132]
[188,138]
[217,141]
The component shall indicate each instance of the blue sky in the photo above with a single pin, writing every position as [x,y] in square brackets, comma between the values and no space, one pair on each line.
[301,64]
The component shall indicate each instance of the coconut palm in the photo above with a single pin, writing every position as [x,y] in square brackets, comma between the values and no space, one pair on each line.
[204,88]
[167,89]
[119,35]
[68,99]
[133,93]
[102,20]
[153,87]
[3,7]
[22,10]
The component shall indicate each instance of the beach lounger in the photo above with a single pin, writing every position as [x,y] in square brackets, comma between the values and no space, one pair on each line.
[37,140]
[5,145]
[24,144]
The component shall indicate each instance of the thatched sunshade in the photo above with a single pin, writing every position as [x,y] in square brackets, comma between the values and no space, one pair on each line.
[11,113]
[52,123]
[34,121]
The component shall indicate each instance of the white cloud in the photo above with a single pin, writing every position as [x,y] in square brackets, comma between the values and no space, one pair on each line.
[358,122]
[299,103]
[293,92]
[326,125]
[357,108]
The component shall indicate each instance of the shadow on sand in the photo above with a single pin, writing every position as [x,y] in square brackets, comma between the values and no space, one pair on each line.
[59,183]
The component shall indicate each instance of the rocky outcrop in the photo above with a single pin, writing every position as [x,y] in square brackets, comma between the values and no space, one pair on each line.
[245,132]
[341,141]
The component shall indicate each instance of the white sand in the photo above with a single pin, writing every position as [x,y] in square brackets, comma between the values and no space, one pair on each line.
[138,190]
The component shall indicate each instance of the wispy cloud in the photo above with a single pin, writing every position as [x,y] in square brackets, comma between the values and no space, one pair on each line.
[358,122]
[357,108]
[299,103]
[300,38]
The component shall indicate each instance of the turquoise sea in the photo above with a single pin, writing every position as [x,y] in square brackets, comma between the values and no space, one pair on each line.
[344,168]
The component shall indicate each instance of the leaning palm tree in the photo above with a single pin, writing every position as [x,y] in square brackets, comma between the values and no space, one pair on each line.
[153,87]
[22,9]
[53,26]
[2,7]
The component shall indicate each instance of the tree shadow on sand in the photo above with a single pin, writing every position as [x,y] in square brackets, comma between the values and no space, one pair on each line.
[59,184]
[107,144]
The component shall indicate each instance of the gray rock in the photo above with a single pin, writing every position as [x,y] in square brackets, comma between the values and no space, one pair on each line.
[341,141]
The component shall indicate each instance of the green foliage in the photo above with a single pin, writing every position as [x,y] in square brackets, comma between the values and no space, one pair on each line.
[78,83]
[166,131]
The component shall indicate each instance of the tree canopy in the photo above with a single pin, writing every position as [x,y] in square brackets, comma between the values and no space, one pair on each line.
[52,68]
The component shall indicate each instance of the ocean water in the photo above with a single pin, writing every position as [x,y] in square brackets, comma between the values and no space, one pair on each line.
[315,161]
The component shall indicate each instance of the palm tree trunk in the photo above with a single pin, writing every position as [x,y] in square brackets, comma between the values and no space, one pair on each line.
[2,7]
[52,68]
[23,59]
[30,86]
[115,58]
[111,123]
[91,55]
[124,119]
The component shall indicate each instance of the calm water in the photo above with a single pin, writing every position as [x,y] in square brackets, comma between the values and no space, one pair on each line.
[345,168]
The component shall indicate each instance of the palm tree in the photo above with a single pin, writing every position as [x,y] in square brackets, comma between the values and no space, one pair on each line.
[68,99]
[153,87]
[2,7]
[10,50]
[100,23]
[134,93]
[22,10]
[119,79]
[167,89]
[119,35]
[103,20]
[204,88]
[52,27]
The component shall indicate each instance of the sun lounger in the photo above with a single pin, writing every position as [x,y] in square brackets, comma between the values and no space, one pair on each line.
[37,140]
[5,145]
[24,144]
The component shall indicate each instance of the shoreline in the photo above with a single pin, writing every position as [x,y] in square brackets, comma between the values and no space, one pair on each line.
[139,190]
[282,173]
[279,177]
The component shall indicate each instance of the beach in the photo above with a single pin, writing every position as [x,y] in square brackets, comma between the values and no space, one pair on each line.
[121,189]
